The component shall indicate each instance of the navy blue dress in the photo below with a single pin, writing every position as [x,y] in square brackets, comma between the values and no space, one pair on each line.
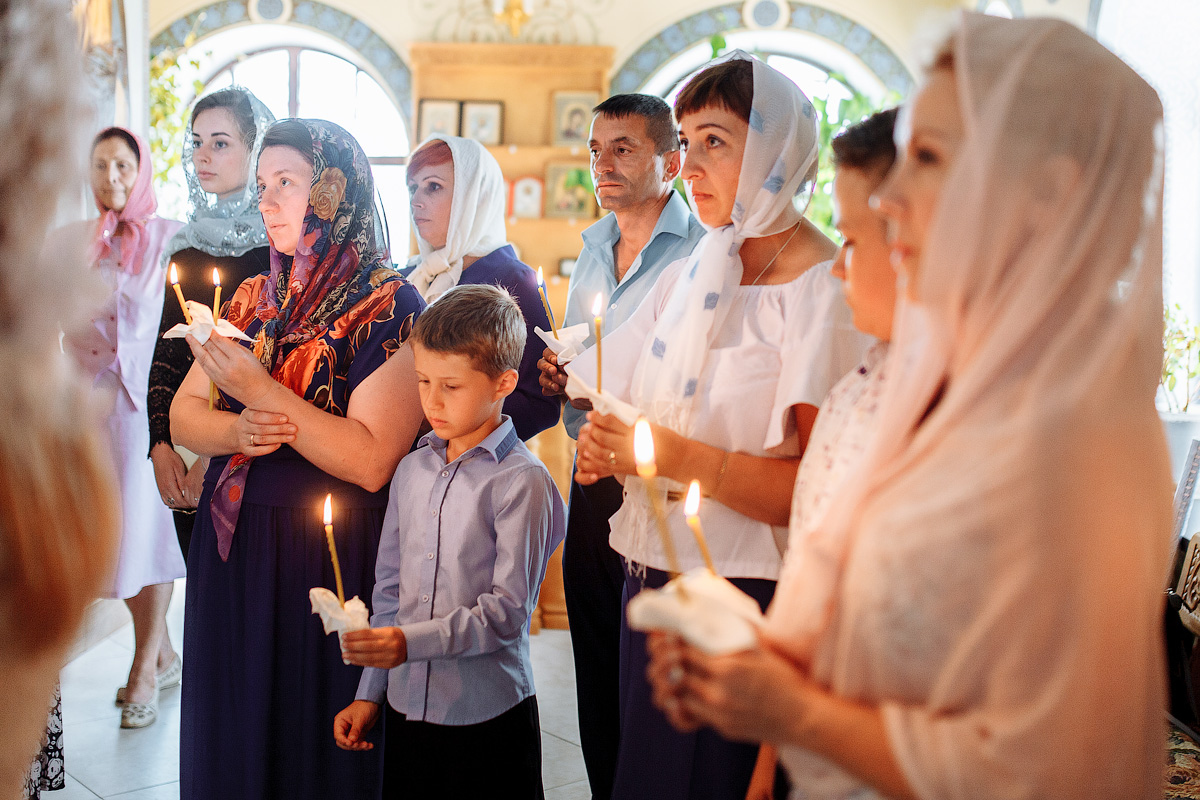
[262,682]
[532,412]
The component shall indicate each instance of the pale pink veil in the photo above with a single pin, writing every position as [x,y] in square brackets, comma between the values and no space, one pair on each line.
[129,226]
[1035,497]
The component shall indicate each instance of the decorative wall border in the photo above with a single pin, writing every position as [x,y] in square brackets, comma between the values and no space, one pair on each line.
[351,31]
[697,28]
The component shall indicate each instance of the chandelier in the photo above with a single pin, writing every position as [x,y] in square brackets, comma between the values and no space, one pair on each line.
[513,13]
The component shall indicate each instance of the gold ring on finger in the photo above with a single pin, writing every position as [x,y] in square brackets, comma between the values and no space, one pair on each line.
[612,458]
[252,442]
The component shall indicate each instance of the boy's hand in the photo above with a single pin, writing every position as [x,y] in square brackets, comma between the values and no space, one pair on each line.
[375,647]
[353,722]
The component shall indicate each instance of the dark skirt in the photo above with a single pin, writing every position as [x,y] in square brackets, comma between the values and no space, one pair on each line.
[262,682]
[655,761]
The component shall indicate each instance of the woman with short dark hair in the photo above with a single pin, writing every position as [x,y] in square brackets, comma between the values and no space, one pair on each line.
[738,346]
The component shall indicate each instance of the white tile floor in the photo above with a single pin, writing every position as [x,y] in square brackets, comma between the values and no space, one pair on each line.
[106,762]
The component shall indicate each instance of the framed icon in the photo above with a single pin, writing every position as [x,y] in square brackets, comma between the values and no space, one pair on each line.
[527,197]
[569,191]
[483,121]
[438,116]
[573,117]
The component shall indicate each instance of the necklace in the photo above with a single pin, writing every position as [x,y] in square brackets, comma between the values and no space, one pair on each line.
[780,250]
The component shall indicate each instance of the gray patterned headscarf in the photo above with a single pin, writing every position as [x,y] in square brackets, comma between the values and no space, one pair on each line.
[229,227]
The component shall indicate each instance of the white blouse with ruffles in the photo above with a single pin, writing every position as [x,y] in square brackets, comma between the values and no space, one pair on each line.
[783,345]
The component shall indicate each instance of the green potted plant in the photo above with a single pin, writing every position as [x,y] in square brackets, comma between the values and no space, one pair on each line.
[1179,387]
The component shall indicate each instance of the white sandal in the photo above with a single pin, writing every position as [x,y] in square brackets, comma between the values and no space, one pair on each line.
[140,715]
[170,677]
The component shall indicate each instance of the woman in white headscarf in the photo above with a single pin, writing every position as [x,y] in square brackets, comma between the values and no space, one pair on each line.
[739,345]
[978,611]
[457,197]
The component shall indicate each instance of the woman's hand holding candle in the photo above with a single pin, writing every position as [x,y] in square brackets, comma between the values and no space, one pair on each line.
[234,369]
[605,449]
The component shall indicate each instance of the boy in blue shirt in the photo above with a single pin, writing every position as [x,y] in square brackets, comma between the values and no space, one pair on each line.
[472,519]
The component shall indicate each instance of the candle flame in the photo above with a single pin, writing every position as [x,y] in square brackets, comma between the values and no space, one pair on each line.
[329,509]
[541,278]
[597,305]
[643,448]
[216,277]
[174,275]
[691,506]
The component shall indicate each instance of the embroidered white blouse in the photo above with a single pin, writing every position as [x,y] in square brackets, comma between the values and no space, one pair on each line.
[783,345]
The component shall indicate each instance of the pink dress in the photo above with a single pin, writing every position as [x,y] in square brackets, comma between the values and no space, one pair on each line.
[117,349]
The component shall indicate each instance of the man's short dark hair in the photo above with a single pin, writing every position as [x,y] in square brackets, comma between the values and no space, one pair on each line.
[482,322]
[660,125]
[870,145]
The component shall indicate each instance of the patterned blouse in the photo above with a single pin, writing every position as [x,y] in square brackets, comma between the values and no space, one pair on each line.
[838,438]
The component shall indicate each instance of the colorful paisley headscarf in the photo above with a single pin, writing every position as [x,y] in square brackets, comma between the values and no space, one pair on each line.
[339,261]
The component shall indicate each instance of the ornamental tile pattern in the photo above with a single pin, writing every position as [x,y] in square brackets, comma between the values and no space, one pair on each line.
[697,28]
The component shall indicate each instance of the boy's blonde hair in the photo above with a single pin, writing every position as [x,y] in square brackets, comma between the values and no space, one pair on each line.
[479,321]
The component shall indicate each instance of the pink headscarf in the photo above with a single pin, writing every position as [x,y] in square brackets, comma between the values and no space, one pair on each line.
[130,224]
[992,575]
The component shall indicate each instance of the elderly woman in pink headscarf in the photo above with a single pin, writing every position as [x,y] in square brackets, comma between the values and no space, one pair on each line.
[977,611]
[126,245]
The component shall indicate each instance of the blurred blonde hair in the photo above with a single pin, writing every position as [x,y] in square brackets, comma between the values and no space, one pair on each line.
[58,511]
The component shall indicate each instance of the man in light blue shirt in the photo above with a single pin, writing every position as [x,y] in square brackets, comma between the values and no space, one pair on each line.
[635,160]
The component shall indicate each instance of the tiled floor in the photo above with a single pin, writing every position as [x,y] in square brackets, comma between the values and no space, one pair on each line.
[104,761]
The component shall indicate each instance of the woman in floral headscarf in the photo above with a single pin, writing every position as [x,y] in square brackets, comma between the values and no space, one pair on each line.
[323,401]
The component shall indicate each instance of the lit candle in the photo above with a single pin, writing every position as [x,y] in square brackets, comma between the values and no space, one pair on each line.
[187,317]
[546,302]
[691,509]
[647,470]
[596,306]
[216,295]
[212,387]
[337,569]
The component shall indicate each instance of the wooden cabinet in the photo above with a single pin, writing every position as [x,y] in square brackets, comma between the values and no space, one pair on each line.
[525,78]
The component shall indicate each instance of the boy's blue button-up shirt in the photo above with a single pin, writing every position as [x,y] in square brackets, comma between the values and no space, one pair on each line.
[675,235]
[461,560]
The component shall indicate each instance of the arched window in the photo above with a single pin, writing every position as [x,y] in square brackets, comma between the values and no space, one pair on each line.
[300,73]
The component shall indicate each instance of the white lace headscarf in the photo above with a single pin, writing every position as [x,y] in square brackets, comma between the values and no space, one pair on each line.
[779,166]
[232,226]
[476,219]
[993,572]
